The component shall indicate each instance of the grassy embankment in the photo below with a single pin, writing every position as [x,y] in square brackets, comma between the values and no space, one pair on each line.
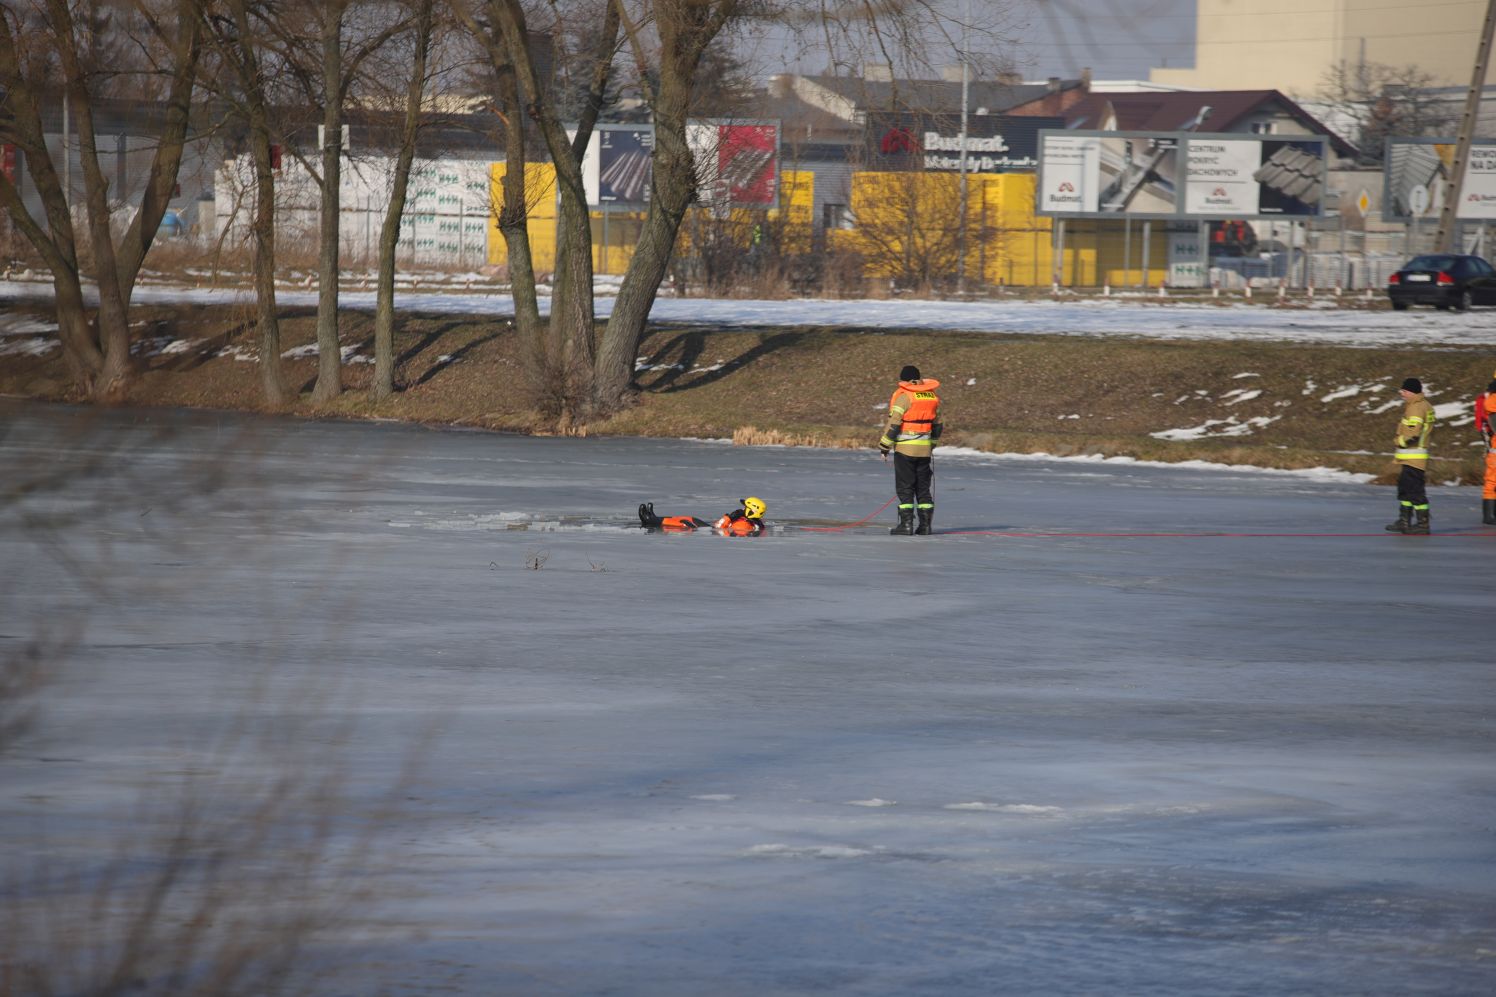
[825,386]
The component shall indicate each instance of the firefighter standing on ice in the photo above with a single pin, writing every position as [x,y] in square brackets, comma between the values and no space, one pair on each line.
[1412,453]
[913,427]
[1485,410]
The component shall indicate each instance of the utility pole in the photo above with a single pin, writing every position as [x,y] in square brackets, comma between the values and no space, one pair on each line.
[1449,225]
[965,196]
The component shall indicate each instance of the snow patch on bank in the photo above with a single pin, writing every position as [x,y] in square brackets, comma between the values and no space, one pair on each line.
[1324,474]
[24,336]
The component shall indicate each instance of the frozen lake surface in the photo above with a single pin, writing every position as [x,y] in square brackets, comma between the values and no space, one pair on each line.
[1010,758]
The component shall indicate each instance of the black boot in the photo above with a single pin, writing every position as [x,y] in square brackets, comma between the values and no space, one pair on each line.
[925,516]
[1404,521]
[1488,511]
[906,524]
[1419,528]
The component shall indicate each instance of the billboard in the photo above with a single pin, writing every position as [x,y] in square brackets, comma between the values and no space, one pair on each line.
[737,163]
[1417,172]
[994,143]
[1180,175]
[618,165]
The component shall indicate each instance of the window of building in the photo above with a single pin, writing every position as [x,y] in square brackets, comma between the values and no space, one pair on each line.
[837,216]
[1263,127]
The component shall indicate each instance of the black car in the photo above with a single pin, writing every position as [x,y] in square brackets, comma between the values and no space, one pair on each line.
[1443,280]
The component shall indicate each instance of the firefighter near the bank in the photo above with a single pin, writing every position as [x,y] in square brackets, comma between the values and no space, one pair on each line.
[910,435]
[746,521]
[1413,430]
[1485,413]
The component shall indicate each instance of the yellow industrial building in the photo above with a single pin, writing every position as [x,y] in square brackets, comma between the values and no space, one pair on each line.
[903,228]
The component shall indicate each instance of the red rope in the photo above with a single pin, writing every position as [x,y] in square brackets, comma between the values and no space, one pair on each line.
[1489,535]
[848,526]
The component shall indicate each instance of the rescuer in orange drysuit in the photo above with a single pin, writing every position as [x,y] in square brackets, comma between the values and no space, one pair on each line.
[1485,424]
[747,521]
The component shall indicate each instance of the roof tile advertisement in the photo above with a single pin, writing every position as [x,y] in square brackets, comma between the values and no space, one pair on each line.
[1180,175]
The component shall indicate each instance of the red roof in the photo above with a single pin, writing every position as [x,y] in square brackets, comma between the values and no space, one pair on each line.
[1176,111]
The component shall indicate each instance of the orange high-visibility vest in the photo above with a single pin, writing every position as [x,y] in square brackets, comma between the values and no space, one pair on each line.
[739,527]
[920,416]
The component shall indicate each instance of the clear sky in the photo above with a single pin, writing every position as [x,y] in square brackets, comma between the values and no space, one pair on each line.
[1118,39]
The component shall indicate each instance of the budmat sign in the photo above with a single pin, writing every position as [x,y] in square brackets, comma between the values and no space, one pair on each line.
[994,143]
[1179,175]
[1417,174]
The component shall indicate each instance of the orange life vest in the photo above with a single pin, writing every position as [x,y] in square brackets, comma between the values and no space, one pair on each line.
[922,412]
[738,525]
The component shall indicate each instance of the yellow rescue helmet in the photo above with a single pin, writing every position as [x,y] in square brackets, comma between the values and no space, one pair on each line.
[753,508]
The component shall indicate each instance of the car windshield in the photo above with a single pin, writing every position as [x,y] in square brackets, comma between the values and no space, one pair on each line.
[1433,263]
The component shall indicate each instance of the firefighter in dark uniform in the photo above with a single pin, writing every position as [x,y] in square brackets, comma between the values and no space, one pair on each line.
[1413,430]
[910,435]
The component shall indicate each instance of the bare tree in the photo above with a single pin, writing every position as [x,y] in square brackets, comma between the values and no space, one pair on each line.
[902,232]
[1380,101]
[684,31]
[236,32]
[97,351]
[423,15]
[542,367]
[570,333]
[338,62]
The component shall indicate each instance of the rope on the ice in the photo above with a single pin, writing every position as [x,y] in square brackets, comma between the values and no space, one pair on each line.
[1032,535]
[848,526]
[1013,534]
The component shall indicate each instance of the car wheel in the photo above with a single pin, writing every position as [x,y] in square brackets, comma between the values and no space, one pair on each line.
[1463,303]
[1399,306]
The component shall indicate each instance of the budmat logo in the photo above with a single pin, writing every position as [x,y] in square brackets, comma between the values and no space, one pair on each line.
[897,140]
[1218,192]
[1067,187]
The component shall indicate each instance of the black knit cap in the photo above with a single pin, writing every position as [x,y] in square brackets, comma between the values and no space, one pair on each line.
[1414,385]
[909,373]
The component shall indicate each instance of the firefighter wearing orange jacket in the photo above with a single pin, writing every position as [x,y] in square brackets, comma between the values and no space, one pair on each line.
[1413,430]
[1485,413]
[747,521]
[912,429]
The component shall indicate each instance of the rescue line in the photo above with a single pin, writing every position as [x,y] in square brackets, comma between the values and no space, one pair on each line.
[1459,532]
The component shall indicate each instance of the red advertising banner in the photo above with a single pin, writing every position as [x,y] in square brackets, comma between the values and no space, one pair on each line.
[748,163]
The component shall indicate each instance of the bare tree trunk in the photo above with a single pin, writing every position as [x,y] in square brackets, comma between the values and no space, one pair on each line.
[167,161]
[329,354]
[686,28]
[272,376]
[113,321]
[240,51]
[56,243]
[672,189]
[541,369]
[571,331]
[514,225]
[389,231]
[98,357]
